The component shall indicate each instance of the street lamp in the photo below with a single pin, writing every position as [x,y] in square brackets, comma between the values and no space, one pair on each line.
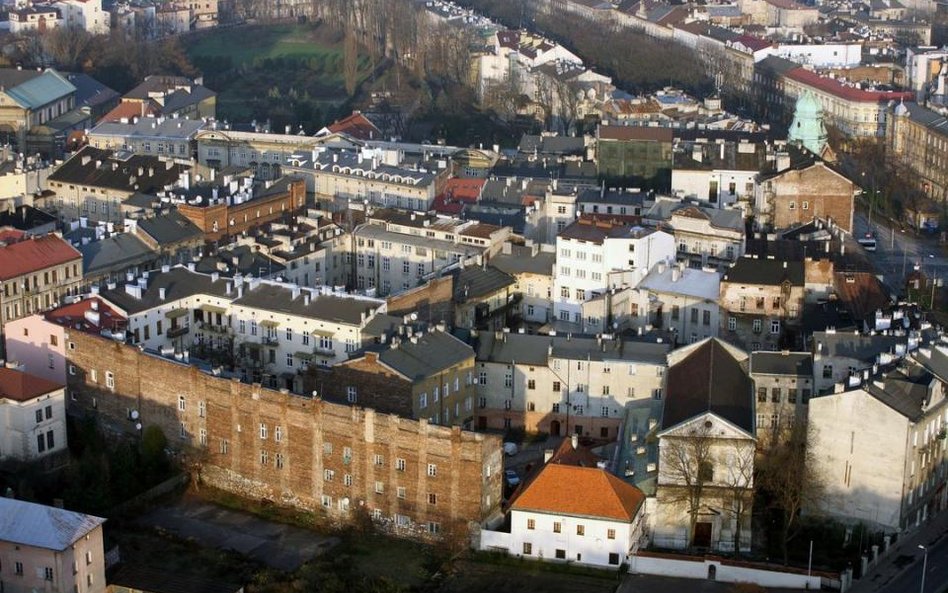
[924,566]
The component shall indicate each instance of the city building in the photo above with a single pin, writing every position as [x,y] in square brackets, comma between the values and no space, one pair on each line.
[573,513]
[30,99]
[33,17]
[762,303]
[531,266]
[417,374]
[918,138]
[634,152]
[154,136]
[879,445]
[32,416]
[675,298]
[718,174]
[783,384]
[595,256]
[705,237]
[704,496]
[50,549]
[802,190]
[85,14]
[169,96]
[564,385]
[37,273]
[94,183]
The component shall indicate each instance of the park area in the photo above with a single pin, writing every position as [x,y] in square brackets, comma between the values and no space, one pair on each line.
[291,74]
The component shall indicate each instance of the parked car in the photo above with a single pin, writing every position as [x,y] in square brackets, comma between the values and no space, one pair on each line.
[511,477]
[511,449]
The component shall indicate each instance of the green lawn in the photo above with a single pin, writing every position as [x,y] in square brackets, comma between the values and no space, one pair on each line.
[245,44]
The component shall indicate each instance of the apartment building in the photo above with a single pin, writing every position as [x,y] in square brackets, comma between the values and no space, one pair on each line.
[705,237]
[344,176]
[802,190]
[50,549]
[413,478]
[718,174]
[415,373]
[94,183]
[85,14]
[762,303]
[36,273]
[264,330]
[595,256]
[634,152]
[153,136]
[395,251]
[531,266]
[264,153]
[30,99]
[32,416]
[675,298]
[174,96]
[34,17]
[564,385]
[840,357]
[880,447]
[313,250]
[783,386]
[918,137]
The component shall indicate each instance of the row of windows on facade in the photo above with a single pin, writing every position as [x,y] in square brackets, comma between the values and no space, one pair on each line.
[760,302]
[49,277]
[699,248]
[32,305]
[94,376]
[557,366]
[757,325]
[580,255]
[776,395]
[580,274]
[47,572]
[560,554]
[271,333]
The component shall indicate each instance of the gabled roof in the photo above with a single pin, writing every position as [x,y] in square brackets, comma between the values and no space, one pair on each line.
[580,492]
[765,272]
[40,526]
[709,379]
[34,254]
[356,126]
[797,364]
[169,228]
[44,89]
[474,282]
[20,386]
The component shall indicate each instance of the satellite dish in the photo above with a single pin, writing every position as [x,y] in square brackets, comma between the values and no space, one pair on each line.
[414,316]
[138,426]
[134,414]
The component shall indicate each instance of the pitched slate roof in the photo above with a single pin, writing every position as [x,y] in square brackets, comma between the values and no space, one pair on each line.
[328,307]
[20,386]
[34,254]
[765,271]
[709,379]
[433,351]
[474,282]
[168,228]
[117,170]
[115,254]
[782,363]
[580,492]
[40,526]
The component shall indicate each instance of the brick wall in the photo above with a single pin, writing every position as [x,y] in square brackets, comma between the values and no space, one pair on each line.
[376,386]
[314,436]
[826,193]
[432,302]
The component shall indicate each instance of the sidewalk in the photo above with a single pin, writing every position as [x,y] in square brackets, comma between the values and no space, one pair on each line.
[891,566]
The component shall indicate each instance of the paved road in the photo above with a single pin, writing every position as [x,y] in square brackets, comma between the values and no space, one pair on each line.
[899,254]
[936,577]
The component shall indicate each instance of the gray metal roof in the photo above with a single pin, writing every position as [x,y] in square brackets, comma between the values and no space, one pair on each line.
[434,351]
[29,524]
[521,260]
[114,254]
[665,209]
[178,283]
[854,346]
[537,349]
[169,228]
[903,391]
[797,364]
[475,282]
[151,127]
[766,272]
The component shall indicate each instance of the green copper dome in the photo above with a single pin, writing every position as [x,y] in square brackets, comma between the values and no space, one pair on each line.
[807,128]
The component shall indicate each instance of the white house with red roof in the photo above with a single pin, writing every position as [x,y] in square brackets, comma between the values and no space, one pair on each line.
[573,512]
[32,416]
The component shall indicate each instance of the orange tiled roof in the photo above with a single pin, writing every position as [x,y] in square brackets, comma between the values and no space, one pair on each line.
[33,254]
[20,386]
[131,109]
[580,491]
[357,126]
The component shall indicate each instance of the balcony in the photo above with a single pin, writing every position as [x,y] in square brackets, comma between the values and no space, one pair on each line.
[214,328]
[271,340]
[323,350]
[177,332]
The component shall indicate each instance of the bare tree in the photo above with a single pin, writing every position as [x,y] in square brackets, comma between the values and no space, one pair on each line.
[688,461]
[788,475]
[739,482]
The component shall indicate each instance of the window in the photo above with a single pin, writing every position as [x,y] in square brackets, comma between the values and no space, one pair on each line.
[805,205]
[326,501]
[775,395]
[182,405]
[792,395]
[347,479]
[379,488]
[706,318]
[610,534]
[48,573]
[531,384]
[557,527]
[827,371]
[289,359]
[18,568]
[580,530]
[202,409]
[561,554]
[40,443]
[432,498]
[327,448]
[613,558]
[400,492]
[432,470]
[279,460]
[224,446]
[351,394]
[761,394]
[263,431]
[757,326]
[278,434]
[531,524]
[39,416]
[400,465]
[676,312]
[264,458]
[434,528]
[775,326]
[328,475]
[527,548]
[706,471]
[202,435]
[694,315]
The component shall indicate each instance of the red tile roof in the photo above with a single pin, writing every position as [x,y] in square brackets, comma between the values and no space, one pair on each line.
[20,386]
[580,491]
[11,235]
[462,189]
[356,125]
[753,43]
[131,109]
[30,255]
[843,91]
[74,316]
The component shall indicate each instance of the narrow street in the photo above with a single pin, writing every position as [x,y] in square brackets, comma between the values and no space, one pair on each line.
[898,252]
